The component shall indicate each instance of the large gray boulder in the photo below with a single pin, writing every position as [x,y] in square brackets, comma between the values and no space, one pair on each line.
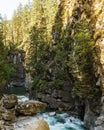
[30,107]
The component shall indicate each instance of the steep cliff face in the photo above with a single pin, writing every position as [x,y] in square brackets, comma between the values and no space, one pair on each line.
[98,10]
[63,100]
[92,11]
[98,20]
[17,59]
[84,22]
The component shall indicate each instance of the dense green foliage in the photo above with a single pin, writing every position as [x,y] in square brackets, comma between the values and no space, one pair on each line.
[85,56]
[56,50]
[6,68]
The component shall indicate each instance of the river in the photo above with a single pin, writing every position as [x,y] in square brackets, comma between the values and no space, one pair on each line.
[63,121]
[55,120]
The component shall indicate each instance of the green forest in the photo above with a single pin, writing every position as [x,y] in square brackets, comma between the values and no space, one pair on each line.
[52,51]
[55,51]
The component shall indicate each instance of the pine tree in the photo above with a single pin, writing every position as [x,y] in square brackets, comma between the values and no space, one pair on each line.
[85,56]
[26,18]
[50,10]
[36,12]
[6,69]
[38,38]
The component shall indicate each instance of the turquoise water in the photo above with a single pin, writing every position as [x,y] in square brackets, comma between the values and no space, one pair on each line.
[59,121]
[56,121]
[63,122]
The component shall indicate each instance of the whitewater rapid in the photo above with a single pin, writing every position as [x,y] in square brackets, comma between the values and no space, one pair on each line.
[63,121]
[59,121]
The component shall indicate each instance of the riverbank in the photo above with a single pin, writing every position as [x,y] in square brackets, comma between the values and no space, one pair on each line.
[21,114]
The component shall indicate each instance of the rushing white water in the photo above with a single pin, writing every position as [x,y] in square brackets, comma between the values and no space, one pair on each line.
[59,121]
[55,121]
[63,122]
[22,98]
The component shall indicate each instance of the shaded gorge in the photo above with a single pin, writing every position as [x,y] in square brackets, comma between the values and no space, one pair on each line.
[58,121]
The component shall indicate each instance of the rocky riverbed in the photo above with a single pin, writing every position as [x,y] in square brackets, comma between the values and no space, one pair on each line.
[16,115]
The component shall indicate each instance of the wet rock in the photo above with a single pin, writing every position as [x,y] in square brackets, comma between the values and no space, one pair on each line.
[10,121]
[9,115]
[10,101]
[30,107]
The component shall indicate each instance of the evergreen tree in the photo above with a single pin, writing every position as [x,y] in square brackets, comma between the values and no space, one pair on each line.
[6,68]
[36,12]
[26,18]
[84,53]
[38,38]
[50,10]
[5,29]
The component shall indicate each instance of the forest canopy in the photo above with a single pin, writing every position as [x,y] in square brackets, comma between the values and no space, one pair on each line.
[56,50]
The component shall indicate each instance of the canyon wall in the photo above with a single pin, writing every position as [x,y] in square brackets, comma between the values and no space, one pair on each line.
[18,59]
[98,10]
[71,15]
[78,32]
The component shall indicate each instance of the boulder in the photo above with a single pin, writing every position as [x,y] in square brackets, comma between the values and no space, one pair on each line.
[9,115]
[10,107]
[29,123]
[30,107]
[10,101]
[42,125]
